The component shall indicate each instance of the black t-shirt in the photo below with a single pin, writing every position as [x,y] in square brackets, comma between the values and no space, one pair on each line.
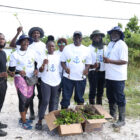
[2,61]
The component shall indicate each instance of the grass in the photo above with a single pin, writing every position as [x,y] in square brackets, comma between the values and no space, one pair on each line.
[132,92]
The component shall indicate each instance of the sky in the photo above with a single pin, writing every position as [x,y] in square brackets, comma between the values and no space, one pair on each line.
[63,26]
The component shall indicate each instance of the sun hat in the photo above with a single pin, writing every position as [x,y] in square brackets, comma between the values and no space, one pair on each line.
[22,37]
[36,29]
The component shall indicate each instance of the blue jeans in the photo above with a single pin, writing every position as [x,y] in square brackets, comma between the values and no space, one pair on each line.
[68,87]
[115,92]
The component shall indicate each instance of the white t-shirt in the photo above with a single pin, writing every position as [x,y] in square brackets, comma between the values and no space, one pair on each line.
[97,56]
[116,51]
[76,57]
[52,76]
[59,53]
[39,48]
[23,60]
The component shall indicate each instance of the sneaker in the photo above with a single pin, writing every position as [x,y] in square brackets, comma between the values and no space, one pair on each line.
[38,126]
[27,121]
[3,125]
[26,126]
[2,133]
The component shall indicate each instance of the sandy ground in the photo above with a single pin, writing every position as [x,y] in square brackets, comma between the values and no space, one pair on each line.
[10,115]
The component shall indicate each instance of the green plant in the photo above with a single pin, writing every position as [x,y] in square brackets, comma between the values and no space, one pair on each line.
[68,117]
[90,113]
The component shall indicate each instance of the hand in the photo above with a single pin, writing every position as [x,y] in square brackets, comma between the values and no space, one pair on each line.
[67,70]
[45,61]
[85,72]
[12,74]
[19,29]
[106,60]
[36,72]
[22,73]
[4,74]
[96,65]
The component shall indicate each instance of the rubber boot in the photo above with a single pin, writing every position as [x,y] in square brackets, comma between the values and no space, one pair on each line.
[113,111]
[92,101]
[99,100]
[32,114]
[2,133]
[121,120]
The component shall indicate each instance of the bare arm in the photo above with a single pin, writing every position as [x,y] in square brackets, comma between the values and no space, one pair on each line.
[116,62]
[85,72]
[13,41]
[63,64]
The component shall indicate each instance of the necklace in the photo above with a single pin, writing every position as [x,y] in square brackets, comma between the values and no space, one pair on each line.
[22,54]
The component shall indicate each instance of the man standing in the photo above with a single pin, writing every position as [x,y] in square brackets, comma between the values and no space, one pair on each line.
[75,61]
[36,33]
[3,79]
[96,73]
[116,73]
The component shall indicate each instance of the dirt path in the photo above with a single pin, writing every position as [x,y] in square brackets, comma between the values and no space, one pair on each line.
[10,115]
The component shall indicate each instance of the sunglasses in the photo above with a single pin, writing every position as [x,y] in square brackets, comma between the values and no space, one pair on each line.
[63,44]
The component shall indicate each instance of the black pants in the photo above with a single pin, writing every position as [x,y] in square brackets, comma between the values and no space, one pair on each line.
[68,88]
[48,97]
[24,102]
[3,88]
[96,84]
[115,92]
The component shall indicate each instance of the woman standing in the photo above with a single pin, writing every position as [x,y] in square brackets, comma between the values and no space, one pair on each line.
[61,43]
[50,80]
[36,33]
[22,63]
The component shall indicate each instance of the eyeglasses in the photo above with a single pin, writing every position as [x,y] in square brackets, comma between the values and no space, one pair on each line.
[63,44]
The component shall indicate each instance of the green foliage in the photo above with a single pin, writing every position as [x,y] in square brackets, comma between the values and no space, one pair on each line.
[68,117]
[120,25]
[96,116]
[132,39]
[89,112]
[132,25]
[86,41]
[44,39]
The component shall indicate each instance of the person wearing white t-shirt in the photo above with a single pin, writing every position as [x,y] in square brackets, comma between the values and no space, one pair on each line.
[61,43]
[22,63]
[50,80]
[36,33]
[96,75]
[116,59]
[75,61]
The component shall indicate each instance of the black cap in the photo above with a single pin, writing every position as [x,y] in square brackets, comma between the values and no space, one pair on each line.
[77,33]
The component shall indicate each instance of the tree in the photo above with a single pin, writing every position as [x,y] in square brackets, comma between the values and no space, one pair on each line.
[133,26]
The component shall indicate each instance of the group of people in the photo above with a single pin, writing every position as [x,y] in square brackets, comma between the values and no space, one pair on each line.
[64,71]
